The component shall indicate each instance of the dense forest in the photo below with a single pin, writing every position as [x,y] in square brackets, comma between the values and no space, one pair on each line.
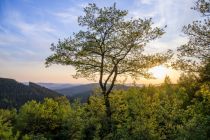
[168,111]
[110,47]
[14,94]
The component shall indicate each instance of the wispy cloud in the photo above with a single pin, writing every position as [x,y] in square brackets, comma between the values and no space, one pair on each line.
[69,15]
[29,28]
[149,2]
[173,13]
[24,38]
[9,39]
[66,16]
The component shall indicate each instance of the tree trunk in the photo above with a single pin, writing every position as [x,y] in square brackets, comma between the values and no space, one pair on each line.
[106,93]
[108,113]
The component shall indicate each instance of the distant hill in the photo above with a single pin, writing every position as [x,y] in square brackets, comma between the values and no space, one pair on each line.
[71,91]
[15,94]
[83,92]
[56,86]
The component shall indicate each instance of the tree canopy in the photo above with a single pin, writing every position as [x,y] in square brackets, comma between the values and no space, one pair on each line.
[195,54]
[109,46]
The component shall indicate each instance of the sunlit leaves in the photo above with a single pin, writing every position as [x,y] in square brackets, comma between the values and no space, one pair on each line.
[109,42]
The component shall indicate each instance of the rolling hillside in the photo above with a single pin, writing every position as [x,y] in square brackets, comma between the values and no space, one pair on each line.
[14,94]
[83,92]
[55,86]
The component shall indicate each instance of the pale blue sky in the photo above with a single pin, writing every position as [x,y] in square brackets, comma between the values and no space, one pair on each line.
[28,27]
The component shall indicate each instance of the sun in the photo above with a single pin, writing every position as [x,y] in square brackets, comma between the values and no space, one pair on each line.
[159,72]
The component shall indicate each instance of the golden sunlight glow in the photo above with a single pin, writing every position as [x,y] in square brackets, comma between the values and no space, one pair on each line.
[159,72]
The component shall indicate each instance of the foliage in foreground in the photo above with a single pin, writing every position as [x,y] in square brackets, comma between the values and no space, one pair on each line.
[166,112]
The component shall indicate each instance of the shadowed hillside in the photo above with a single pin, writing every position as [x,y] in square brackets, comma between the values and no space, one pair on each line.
[14,94]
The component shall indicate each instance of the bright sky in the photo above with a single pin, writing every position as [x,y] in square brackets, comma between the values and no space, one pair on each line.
[28,27]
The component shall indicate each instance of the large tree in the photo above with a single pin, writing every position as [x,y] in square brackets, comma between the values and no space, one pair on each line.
[194,56]
[109,46]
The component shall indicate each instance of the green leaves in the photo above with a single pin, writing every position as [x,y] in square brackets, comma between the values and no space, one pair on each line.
[167,111]
[109,43]
[6,125]
[193,55]
[51,119]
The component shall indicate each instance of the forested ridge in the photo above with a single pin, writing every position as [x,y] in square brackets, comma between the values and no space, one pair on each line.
[14,94]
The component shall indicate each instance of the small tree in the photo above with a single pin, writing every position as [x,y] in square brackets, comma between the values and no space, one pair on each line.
[109,47]
[195,54]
